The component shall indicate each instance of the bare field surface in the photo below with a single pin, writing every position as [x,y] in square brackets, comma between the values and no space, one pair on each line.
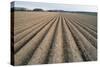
[54,37]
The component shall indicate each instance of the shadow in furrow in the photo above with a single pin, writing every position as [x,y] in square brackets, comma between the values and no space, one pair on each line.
[76,41]
[42,50]
[23,29]
[23,60]
[47,58]
[89,37]
[21,35]
[71,51]
[88,51]
[56,52]
[25,42]
[39,42]
[92,27]
[92,32]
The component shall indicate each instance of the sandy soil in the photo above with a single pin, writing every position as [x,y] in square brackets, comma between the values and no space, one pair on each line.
[54,37]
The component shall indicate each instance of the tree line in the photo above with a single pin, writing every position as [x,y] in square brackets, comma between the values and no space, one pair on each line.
[35,9]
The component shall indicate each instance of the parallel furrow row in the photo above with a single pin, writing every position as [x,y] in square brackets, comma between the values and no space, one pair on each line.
[54,38]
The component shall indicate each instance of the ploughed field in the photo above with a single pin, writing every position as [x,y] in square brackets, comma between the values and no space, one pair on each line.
[54,37]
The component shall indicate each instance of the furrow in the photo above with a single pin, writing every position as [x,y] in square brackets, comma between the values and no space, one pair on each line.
[92,32]
[29,30]
[72,53]
[25,39]
[88,51]
[26,52]
[85,33]
[26,19]
[57,54]
[41,52]
[79,18]
[29,25]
